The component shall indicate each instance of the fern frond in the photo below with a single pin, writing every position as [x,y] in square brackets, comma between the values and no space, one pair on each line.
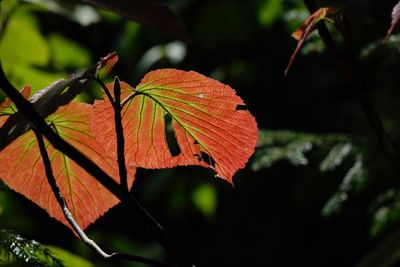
[17,249]
[296,147]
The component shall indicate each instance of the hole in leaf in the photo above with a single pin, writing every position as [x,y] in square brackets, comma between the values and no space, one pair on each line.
[195,142]
[241,107]
[173,145]
[208,159]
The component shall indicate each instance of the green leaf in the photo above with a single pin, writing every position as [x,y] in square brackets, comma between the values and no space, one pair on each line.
[68,54]
[22,43]
[36,77]
[269,11]
[205,199]
[69,259]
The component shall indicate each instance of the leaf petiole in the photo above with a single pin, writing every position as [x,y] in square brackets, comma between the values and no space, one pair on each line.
[105,89]
[128,98]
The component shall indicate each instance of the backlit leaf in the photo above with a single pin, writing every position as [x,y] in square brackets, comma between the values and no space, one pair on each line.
[180,118]
[22,169]
[395,21]
[306,28]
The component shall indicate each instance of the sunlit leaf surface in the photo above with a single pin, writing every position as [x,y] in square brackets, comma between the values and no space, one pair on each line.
[22,169]
[180,118]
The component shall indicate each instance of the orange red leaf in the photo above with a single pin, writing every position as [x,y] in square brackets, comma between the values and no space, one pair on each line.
[180,118]
[22,169]
[6,106]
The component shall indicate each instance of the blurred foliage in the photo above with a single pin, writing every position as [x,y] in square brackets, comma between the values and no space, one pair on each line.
[308,196]
[18,251]
[82,14]
[67,258]
[295,147]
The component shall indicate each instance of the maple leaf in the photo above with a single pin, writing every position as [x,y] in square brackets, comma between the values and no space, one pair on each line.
[176,118]
[395,21]
[22,169]
[301,33]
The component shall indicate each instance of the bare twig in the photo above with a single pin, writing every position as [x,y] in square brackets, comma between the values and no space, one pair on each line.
[347,67]
[119,130]
[120,135]
[105,89]
[61,200]
[27,109]
[69,217]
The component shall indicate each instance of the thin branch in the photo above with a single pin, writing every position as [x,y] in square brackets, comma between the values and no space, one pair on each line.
[347,67]
[119,131]
[61,200]
[105,89]
[69,217]
[27,109]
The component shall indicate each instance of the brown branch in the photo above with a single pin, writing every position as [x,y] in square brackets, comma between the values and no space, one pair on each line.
[27,109]
[347,67]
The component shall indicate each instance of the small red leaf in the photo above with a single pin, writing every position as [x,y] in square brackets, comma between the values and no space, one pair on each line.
[203,117]
[22,169]
[106,64]
[395,21]
[306,28]
[5,106]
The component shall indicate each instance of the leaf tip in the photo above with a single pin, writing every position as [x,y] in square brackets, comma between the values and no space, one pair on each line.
[106,64]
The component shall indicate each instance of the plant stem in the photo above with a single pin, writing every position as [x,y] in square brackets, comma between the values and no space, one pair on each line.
[347,67]
[60,198]
[119,130]
[105,89]
[70,218]
[27,109]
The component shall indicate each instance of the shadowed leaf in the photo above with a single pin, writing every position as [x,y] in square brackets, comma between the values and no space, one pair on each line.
[209,130]
[57,94]
[147,12]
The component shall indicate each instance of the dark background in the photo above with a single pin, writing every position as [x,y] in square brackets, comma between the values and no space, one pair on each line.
[270,217]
